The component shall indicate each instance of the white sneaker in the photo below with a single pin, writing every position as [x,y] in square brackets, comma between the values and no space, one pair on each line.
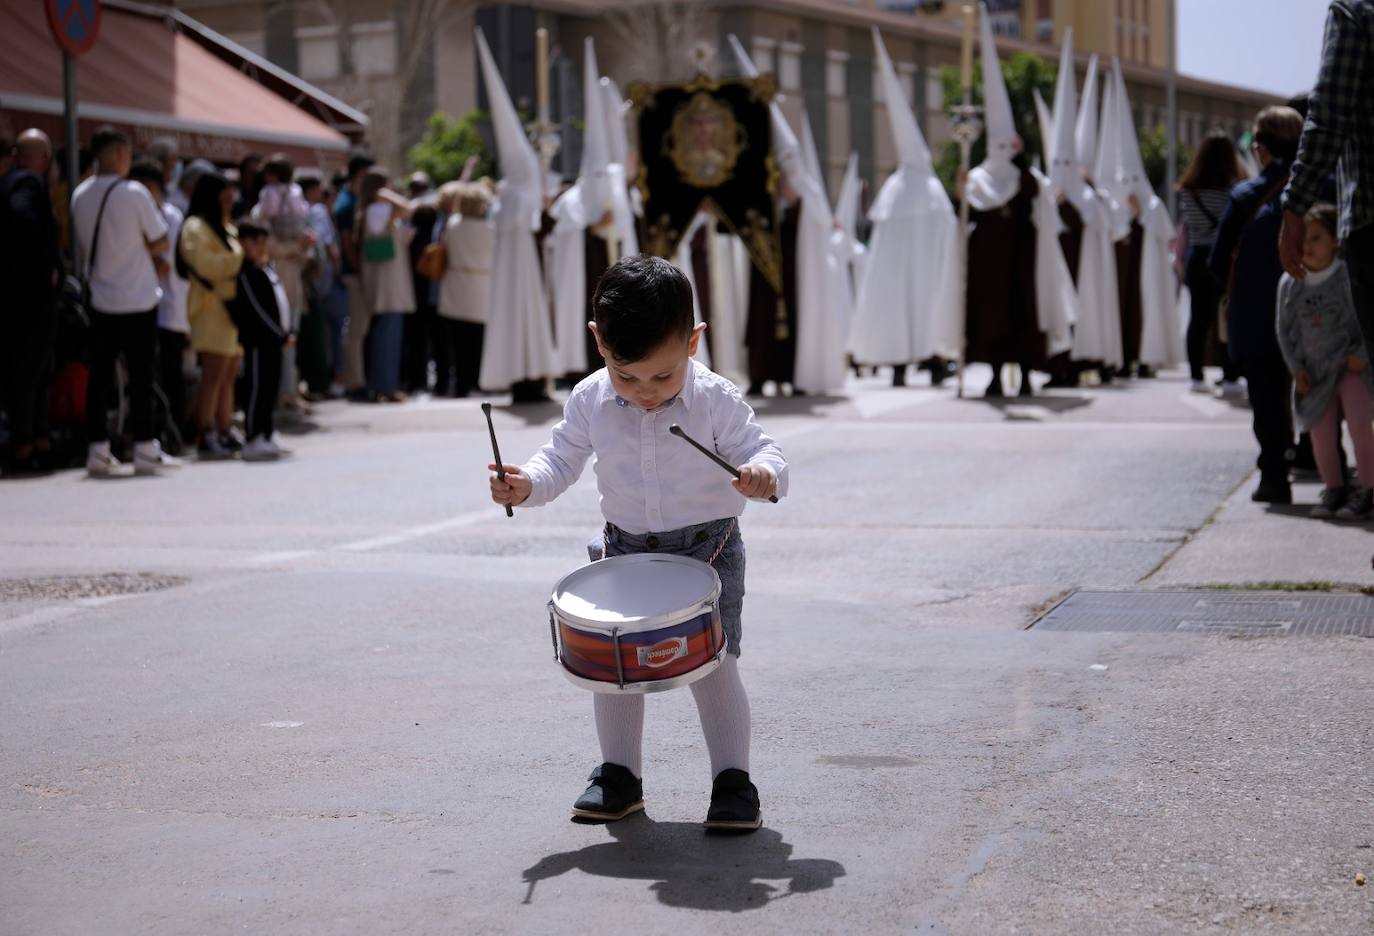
[1200,386]
[281,450]
[259,449]
[101,463]
[150,459]
[1231,389]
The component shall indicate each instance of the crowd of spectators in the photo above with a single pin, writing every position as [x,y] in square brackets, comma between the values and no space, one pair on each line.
[172,308]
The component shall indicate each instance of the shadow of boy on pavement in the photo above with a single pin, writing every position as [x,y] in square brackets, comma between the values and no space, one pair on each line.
[693,870]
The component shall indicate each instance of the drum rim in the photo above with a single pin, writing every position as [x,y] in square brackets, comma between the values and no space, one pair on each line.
[648,685]
[637,625]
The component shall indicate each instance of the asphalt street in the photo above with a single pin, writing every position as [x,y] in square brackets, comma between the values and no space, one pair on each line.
[330,705]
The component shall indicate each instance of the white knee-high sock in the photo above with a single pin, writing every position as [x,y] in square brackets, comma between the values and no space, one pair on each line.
[724,710]
[620,729]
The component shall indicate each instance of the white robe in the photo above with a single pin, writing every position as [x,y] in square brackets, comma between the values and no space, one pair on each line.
[1162,332]
[1097,337]
[910,303]
[1056,302]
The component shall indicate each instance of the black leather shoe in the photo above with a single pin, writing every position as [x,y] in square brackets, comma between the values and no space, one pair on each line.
[734,803]
[614,794]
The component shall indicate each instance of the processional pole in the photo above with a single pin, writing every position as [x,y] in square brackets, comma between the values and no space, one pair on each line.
[967,128]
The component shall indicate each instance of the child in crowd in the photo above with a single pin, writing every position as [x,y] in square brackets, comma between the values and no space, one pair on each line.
[283,208]
[1320,337]
[657,495]
[262,315]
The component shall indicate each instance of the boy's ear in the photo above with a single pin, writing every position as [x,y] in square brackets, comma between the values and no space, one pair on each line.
[694,340]
[601,348]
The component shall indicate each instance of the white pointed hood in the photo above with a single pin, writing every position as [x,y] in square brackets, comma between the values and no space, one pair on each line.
[1046,121]
[1130,170]
[1085,131]
[613,109]
[913,189]
[906,133]
[593,178]
[1108,140]
[1064,173]
[847,202]
[996,180]
[515,155]
[811,156]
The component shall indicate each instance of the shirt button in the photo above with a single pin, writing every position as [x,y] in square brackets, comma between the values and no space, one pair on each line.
[651,542]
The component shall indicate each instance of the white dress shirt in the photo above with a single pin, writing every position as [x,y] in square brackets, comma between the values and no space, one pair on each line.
[651,481]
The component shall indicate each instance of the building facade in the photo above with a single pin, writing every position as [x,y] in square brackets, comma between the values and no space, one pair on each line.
[397,67]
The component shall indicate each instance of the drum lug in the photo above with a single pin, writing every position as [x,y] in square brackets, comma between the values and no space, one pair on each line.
[619,663]
[553,635]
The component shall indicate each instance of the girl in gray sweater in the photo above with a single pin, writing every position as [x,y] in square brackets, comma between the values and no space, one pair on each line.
[1320,337]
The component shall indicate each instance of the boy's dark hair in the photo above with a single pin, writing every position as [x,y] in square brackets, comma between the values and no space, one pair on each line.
[106,137]
[308,181]
[640,303]
[250,228]
[1324,214]
[148,171]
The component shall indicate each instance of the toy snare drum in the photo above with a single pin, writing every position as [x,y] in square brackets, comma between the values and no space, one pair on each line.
[639,623]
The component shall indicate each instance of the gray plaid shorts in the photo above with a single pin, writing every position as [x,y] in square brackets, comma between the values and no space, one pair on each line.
[699,541]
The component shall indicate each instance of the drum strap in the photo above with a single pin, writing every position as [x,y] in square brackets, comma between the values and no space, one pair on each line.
[606,537]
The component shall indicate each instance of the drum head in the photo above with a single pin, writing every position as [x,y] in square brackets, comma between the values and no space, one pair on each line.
[636,592]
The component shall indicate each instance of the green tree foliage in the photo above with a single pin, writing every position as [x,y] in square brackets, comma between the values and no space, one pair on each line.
[447,144]
[1023,74]
[1154,151]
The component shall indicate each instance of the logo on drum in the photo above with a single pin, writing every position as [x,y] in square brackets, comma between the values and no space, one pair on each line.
[663,652]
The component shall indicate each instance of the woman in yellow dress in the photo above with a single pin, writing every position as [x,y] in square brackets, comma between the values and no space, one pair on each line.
[208,254]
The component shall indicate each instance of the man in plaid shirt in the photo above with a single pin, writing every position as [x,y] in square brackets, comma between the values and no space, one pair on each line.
[1339,135]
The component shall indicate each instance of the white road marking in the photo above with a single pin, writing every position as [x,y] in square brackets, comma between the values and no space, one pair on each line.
[281,724]
[284,556]
[377,542]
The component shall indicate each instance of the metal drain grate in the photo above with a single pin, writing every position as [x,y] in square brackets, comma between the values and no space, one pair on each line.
[1259,614]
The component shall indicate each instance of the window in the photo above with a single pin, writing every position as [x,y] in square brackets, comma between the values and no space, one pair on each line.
[789,67]
[317,52]
[374,48]
[837,73]
[766,56]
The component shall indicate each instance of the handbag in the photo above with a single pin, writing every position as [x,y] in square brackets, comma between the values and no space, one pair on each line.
[379,249]
[433,262]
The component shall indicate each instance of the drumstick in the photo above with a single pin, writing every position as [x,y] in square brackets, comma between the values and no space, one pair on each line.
[676,430]
[496,453]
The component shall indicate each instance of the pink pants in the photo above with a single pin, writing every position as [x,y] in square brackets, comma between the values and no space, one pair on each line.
[1352,398]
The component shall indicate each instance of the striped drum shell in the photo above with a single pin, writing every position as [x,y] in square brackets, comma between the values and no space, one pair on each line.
[657,613]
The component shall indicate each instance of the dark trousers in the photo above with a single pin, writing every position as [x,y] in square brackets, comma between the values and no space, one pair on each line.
[1359,259]
[27,364]
[171,378]
[262,367]
[1271,392]
[417,353]
[1205,293]
[458,352]
[134,335]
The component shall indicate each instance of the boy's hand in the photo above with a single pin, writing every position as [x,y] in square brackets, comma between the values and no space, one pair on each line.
[1303,381]
[756,481]
[1354,363]
[513,491]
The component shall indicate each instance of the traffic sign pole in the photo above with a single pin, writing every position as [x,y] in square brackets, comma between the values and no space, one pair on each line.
[73,135]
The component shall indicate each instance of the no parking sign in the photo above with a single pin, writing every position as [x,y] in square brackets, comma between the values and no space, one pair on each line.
[75,24]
